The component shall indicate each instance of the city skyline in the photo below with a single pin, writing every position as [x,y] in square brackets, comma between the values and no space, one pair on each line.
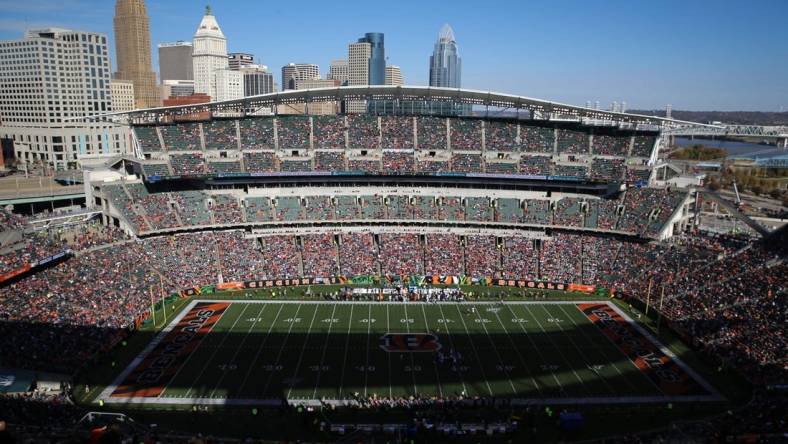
[692,57]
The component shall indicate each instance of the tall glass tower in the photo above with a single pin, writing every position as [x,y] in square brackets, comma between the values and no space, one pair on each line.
[445,64]
[377,59]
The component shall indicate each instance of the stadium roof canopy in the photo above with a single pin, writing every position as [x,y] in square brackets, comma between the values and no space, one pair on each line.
[542,109]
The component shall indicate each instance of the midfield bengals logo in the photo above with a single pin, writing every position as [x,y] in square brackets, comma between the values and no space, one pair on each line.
[409,342]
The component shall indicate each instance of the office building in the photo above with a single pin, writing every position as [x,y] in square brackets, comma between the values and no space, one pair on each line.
[176,88]
[229,85]
[393,75]
[209,54]
[339,70]
[175,61]
[47,77]
[133,51]
[445,63]
[293,72]
[257,80]
[377,58]
[358,72]
[122,95]
[237,60]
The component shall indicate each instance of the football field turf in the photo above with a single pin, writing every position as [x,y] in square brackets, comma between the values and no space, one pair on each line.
[222,352]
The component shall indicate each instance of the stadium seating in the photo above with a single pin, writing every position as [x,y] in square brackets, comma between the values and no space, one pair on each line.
[431,133]
[259,209]
[257,133]
[397,132]
[330,161]
[482,256]
[259,162]
[537,165]
[358,255]
[401,254]
[502,167]
[466,134]
[320,255]
[608,170]
[226,209]
[576,171]
[293,132]
[534,139]
[220,135]
[366,165]
[329,132]
[568,212]
[319,208]
[500,136]
[520,258]
[220,167]
[188,164]
[347,208]
[398,162]
[508,210]
[363,132]
[643,146]
[155,169]
[610,145]
[451,208]
[466,163]
[294,165]
[443,255]
[148,138]
[182,137]
[479,209]
[572,142]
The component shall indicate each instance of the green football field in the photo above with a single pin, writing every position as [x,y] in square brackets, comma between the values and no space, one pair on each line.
[222,352]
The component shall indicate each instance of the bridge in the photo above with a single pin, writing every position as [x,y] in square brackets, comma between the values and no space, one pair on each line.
[778,133]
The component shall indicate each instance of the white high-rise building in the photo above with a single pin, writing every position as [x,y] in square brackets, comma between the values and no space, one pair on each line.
[209,54]
[229,84]
[47,78]
[394,75]
[122,95]
[339,70]
[358,56]
[292,73]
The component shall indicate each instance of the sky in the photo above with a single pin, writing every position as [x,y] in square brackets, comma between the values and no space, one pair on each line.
[696,55]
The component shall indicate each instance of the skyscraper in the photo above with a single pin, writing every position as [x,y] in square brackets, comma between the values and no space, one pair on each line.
[237,60]
[339,70]
[394,75]
[445,63]
[358,55]
[257,80]
[77,70]
[133,51]
[292,73]
[209,55]
[377,57]
[175,61]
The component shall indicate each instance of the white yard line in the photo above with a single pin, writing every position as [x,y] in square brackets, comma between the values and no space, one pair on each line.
[473,346]
[388,355]
[238,350]
[581,354]
[497,353]
[366,366]
[558,349]
[536,348]
[213,355]
[451,344]
[412,360]
[434,364]
[344,360]
[260,350]
[105,394]
[517,350]
[281,349]
[612,362]
[323,355]
[303,349]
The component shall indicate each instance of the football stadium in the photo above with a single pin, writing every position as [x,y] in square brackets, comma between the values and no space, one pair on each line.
[512,273]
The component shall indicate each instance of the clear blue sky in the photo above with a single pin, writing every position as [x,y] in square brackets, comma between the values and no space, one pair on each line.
[697,55]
